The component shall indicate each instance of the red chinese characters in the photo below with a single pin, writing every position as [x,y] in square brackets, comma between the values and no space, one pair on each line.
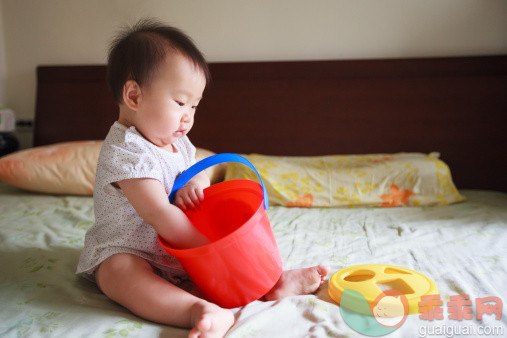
[482,308]
[459,307]
[430,306]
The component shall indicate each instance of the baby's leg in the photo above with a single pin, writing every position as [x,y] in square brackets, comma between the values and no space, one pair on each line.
[131,281]
[298,282]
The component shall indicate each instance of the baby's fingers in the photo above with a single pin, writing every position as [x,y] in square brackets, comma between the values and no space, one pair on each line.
[190,201]
[190,197]
[200,194]
[196,196]
[179,202]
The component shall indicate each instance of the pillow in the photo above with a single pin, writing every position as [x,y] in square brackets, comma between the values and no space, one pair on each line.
[62,168]
[66,168]
[378,180]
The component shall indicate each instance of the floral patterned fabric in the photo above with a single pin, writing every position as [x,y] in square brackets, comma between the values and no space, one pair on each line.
[461,247]
[378,180]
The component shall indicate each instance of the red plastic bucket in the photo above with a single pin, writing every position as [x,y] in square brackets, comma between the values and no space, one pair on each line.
[242,261]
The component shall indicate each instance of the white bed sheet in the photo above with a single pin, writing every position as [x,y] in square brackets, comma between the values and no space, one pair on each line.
[462,247]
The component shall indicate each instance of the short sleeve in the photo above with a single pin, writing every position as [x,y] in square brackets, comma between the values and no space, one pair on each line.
[131,158]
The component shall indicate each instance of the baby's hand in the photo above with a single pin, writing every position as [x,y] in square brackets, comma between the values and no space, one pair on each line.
[189,196]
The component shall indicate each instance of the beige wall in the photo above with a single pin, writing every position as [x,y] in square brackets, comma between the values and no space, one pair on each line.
[3,64]
[77,32]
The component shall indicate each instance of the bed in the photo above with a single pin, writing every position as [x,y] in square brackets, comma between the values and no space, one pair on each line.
[290,110]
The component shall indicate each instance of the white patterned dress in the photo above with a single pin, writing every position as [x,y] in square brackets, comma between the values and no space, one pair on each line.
[118,227]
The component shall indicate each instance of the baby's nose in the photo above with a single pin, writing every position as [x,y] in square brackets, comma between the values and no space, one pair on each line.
[186,116]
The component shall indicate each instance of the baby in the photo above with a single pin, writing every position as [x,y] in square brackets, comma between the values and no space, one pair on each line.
[157,77]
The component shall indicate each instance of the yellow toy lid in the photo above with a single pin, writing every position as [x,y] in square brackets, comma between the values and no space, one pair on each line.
[371,280]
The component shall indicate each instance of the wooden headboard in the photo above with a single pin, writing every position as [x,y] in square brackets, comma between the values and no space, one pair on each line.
[456,106]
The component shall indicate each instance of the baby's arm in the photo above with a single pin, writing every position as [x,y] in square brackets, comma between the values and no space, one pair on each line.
[191,194]
[149,199]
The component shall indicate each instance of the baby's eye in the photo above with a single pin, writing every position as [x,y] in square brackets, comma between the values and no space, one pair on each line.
[181,104]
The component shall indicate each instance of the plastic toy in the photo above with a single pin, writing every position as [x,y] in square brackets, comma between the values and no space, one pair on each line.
[371,280]
[242,261]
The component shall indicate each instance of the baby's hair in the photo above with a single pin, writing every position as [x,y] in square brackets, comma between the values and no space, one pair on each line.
[137,51]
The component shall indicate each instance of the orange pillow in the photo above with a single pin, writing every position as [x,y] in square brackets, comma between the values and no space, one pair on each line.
[62,168]
[66,168]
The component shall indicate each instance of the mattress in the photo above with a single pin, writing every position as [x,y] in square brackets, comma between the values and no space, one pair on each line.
[461,247]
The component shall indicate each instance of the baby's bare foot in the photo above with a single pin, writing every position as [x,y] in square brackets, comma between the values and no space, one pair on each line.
[210,320]
[298,282]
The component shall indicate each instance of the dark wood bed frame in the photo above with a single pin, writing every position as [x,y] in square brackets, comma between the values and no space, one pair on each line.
[456,106]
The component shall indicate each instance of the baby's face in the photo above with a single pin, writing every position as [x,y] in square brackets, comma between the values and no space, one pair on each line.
[167,104]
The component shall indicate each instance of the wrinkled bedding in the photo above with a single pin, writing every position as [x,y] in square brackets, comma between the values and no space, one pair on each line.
[462,247]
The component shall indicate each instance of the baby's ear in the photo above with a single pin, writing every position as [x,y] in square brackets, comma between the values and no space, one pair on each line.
[131,94]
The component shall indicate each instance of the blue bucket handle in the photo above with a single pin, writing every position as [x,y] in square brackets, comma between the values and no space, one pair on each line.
[209,162]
